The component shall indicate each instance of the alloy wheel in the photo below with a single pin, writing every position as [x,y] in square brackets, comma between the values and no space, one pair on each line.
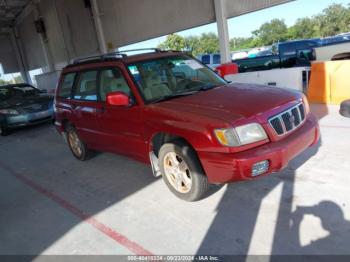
[75,143]
[177,172]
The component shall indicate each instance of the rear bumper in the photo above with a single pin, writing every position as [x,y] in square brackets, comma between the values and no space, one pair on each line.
[224,168]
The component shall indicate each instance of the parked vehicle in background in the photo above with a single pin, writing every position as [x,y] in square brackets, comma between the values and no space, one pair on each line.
[211,60]
[167,109]
[285,55]
[23,105]
[337,39]
[239,55]
[265,53]
[259,51]
[333,52]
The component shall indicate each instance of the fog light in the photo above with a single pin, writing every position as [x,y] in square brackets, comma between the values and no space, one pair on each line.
[260,168]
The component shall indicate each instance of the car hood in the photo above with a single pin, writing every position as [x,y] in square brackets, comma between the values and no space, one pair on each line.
[22,103]
[231,102]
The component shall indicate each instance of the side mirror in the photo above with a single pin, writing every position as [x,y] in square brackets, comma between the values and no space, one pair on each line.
[118,99]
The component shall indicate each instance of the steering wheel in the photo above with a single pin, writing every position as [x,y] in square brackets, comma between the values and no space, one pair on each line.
[189,84]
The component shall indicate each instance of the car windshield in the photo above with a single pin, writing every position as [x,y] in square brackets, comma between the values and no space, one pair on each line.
[265,53]
[17,92]
[171,77]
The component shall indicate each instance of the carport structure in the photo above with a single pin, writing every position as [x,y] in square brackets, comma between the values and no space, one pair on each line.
[44,201]
[48,34]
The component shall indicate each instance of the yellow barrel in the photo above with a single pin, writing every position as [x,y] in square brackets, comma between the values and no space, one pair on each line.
[329,82]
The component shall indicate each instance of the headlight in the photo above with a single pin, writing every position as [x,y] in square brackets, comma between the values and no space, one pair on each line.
[9,112]
[241,135]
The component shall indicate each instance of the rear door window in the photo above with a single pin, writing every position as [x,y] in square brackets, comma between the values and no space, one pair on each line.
[206,59]
[87,86]
[216,59]
[65,90]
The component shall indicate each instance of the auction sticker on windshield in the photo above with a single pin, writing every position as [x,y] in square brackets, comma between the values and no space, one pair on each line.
[193,64]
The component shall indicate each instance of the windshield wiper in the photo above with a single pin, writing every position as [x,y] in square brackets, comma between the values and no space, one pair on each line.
[190,92]
[168,97]
[207,87]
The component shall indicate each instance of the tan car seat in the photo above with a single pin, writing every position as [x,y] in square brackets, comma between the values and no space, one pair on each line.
[154,87]
[90,90]
[112,85]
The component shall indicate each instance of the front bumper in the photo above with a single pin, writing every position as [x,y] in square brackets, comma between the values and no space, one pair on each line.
[224,167]
[14,121]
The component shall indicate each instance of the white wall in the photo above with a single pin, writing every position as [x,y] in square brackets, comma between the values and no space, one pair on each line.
[69,29]
[285,77]
[77,27]
[56,42]
[30,41]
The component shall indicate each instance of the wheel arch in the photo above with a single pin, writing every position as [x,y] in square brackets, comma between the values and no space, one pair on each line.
[65,124]
[160,138]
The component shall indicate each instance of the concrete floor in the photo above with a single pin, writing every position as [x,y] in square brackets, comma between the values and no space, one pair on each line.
[53,204]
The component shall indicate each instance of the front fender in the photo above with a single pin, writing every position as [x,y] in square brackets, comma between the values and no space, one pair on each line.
[199,137]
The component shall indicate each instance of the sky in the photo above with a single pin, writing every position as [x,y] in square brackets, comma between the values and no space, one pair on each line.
[242,26]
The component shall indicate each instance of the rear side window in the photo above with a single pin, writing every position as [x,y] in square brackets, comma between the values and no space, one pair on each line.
[216,59]
[87,86]
[65,90]
[206,59]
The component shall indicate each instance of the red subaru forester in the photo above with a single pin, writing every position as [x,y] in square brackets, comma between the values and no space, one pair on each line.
[167,109]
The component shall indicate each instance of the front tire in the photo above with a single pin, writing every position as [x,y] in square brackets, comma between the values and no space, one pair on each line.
[182,171]
[77,146]
[4,131]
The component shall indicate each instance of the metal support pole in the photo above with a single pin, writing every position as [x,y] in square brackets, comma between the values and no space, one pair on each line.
[224,39]
[44,44]
[20,58]
[98,26]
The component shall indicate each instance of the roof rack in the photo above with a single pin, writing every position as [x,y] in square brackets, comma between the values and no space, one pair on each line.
[98,57]
[157,50]
[117,54]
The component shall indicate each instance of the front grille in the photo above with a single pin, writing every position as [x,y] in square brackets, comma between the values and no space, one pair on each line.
[288,120]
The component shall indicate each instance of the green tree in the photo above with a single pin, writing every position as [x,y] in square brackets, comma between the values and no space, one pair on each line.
[18,79]
[305,28]
[192,44]
[173,42]
[3,82]
[239,43]
[271,32]
[208,43]
[335,19]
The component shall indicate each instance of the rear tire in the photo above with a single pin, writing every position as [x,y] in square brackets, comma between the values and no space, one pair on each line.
[182,171]
[78,148]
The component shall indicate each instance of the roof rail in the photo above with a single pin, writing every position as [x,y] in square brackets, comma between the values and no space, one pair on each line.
[140,49]
[101,57]
[112,55]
